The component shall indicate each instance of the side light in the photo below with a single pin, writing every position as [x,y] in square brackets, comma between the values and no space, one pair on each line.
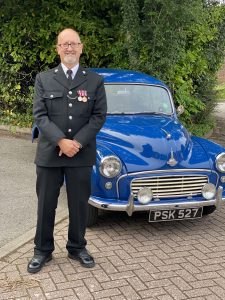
[222,179]
[108,185]
[209,191]
[144,195]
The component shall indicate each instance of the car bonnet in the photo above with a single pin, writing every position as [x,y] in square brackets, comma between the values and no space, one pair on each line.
[149,142]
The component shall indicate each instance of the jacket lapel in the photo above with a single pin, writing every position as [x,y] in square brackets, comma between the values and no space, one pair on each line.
[60,76]
[79,78]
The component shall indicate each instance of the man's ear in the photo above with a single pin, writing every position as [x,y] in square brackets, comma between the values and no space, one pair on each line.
[56,48]
[82,46]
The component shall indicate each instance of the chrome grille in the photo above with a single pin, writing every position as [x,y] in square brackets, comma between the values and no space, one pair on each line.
[170,186]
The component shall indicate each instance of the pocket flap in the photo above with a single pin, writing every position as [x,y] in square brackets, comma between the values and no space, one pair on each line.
[53,95]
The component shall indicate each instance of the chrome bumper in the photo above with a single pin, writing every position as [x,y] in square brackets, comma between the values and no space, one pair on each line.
[130,207]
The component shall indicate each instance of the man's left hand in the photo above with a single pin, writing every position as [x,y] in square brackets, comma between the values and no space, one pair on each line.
[76,144]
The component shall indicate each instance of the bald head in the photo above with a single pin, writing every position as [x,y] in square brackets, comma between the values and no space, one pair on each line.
[66,32]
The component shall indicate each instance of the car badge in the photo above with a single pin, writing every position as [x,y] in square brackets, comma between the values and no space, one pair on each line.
[168,135]
[172,161]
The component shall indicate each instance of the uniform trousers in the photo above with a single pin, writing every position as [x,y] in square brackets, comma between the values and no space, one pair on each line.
[78,187]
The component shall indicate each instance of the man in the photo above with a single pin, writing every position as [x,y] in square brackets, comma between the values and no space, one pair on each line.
[69,110]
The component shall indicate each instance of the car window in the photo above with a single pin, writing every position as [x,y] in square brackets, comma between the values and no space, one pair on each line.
[137,98]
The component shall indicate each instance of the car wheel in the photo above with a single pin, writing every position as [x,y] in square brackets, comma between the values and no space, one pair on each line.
[207,210]
[92,215]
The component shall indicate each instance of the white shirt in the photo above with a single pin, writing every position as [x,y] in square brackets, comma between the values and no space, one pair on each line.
[74,70]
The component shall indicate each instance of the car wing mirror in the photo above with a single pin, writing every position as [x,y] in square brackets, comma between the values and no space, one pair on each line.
[180,110]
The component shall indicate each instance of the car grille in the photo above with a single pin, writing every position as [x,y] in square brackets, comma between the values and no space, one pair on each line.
[170,186]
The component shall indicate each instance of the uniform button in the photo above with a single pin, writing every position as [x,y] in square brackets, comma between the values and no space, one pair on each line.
[51,96]
[70,93]
[69,130]
[70,104]
[70,117]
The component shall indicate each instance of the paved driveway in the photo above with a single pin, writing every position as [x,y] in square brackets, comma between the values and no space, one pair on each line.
[134,260]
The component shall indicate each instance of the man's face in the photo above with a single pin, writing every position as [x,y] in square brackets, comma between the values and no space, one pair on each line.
[69,48]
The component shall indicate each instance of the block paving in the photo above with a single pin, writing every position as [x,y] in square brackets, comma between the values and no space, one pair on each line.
[134,260]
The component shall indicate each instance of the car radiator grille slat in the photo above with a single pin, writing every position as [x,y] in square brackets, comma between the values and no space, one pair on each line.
[169,187]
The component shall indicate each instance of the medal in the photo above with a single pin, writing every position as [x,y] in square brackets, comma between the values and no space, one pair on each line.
[82,95]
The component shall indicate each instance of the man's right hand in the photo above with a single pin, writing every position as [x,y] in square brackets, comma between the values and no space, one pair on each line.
[68,147]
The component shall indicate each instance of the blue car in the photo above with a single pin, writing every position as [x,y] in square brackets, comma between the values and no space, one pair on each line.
[147,160]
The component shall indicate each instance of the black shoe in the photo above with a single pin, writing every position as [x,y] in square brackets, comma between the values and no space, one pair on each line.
[37,262]
[84,258]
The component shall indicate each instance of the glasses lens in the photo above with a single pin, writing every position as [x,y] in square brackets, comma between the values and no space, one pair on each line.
[72,45]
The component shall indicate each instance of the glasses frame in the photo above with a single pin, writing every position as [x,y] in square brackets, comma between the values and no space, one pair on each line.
[72,45]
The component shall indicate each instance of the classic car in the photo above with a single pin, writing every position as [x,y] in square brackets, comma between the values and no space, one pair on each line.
[147,160]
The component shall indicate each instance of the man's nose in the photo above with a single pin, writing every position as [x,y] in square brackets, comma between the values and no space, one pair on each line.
[69,46]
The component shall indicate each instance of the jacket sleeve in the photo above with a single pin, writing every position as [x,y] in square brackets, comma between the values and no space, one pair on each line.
[46,127]
[89,131]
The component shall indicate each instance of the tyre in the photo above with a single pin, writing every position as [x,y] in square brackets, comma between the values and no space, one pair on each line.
[207,210]
[92,215]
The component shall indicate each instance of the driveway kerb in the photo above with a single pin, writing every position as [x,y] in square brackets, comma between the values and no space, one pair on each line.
[27,236]
[15,129]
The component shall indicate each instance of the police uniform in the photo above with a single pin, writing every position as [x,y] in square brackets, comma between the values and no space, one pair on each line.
[75,110]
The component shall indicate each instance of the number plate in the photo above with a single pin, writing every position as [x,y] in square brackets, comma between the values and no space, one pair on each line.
[175,214]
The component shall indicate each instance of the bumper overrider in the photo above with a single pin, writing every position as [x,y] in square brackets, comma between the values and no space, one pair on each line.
[130,207]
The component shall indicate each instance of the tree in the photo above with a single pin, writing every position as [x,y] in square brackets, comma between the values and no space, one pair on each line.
[182,43]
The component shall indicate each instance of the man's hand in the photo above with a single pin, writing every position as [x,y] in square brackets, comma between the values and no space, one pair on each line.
[68,147]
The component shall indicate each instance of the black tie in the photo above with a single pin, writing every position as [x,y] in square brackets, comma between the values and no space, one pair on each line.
[69,73]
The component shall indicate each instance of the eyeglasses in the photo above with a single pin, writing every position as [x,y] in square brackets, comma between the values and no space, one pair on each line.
[72,45]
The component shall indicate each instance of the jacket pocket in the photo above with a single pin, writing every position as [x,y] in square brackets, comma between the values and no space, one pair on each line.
[54,102]
[84,107]
[91,102]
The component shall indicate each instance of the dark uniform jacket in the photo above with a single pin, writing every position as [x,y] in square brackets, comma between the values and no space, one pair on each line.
[58,114]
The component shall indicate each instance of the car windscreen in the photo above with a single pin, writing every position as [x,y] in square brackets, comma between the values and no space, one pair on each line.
[137,98]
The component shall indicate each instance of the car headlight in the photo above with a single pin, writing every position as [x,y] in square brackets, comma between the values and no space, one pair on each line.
[144,195]
[209,191]
[220,162]
[110,166]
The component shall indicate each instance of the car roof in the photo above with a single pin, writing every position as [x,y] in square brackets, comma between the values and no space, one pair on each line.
[126,76]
